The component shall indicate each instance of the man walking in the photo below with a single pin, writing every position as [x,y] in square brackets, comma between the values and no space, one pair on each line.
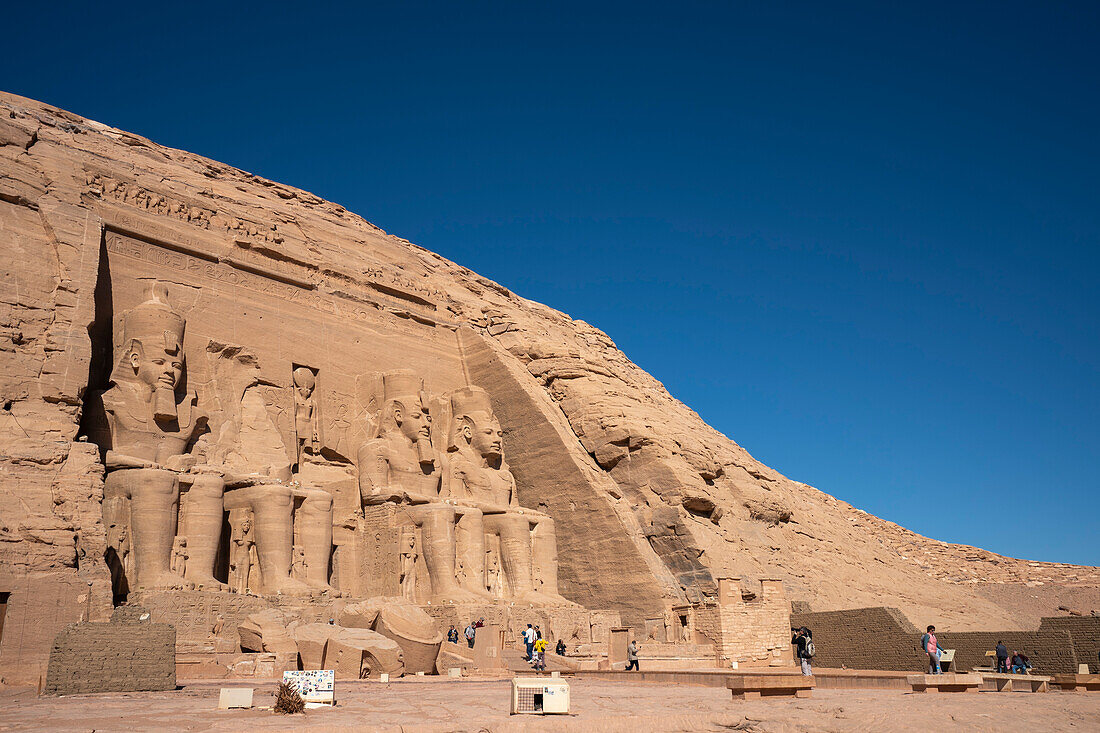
[529,641]
[1002,657]
[470,633]
[632,656]
[803,644]
[932,649]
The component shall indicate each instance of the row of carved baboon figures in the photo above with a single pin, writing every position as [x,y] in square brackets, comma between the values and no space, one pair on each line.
[459,533]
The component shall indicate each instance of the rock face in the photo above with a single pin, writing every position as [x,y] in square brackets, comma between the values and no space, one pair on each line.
[181,338]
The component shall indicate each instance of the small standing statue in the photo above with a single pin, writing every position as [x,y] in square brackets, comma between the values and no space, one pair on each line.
[298,564]
[179,556]
[241,556]
[306,429]
[408,564]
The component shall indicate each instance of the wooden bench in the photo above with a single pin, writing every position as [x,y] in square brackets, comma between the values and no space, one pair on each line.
[1017,682]
[1078,682]
[945,682]
[747,686]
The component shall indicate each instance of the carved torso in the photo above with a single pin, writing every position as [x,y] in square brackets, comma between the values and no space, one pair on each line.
[134,432]
[471,482]
[390,470]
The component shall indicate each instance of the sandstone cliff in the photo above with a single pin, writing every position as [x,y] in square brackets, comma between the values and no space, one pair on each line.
[651,503]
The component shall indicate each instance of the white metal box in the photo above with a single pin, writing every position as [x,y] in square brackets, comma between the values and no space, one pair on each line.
[539,695]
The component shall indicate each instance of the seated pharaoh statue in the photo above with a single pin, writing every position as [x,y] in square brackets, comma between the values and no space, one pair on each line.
[493,530]
[145,422]
[399,466]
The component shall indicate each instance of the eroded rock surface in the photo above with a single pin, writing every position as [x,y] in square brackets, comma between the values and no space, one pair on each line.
[295,311]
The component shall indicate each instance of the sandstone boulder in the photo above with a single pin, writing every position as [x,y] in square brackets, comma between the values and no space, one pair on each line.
[361,653]
[266,631]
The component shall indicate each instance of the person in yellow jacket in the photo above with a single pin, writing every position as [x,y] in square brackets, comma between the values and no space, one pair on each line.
[540,654]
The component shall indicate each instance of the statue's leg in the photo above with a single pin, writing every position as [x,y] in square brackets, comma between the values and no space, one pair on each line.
[154,503]
[544,551]
[470,547]
[437,535]
[315,534]
[116,520]
[201,517]
[273,510]
[515,550]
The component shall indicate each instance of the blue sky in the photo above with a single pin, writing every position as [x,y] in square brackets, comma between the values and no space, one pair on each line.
[861,239]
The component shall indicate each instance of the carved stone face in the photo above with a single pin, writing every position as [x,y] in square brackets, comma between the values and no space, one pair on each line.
[484,433]
[155,367]
[304,382]
[413,419]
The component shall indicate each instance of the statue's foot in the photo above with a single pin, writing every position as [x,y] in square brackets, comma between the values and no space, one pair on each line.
[461,595]
[538,598]
[287,587]
[323,588]
[209,583]
[165,581]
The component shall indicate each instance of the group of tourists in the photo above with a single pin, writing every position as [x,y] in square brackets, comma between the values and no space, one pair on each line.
[533,642]
[470,633]
[1019,664]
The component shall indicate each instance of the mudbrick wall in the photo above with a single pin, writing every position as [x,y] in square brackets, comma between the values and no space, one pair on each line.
[120,656]
[882,638]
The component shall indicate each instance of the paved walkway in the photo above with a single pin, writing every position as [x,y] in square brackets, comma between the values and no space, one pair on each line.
[434,705]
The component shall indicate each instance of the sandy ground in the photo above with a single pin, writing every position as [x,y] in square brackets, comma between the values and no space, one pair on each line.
[422,706]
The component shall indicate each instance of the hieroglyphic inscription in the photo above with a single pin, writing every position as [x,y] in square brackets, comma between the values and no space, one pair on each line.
[246,235]
[206,268]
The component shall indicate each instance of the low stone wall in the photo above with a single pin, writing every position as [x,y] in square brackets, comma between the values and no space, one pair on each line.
[1085,632]
[882,638]
[863,638]
[123,655]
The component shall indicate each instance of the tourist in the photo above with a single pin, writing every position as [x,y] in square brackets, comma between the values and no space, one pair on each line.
[803,644]
[452,634]
[529,641]
[538,632]
[471,632]
[480,623]
[632,656]
[560,648]
[932,649]
[1002,657]
[540,654]
[1020,663]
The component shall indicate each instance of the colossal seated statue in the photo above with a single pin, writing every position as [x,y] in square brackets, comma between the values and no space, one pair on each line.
[145,422]
[399,466]
[476,476]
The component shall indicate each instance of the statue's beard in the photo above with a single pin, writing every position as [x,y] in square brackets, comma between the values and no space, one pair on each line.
[164,404]
[424,452]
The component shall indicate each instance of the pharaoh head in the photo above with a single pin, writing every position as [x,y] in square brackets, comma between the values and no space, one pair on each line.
[405,411]
[153,357]
[474,423]
[304,382]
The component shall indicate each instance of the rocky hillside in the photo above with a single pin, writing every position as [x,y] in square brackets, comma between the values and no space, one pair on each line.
[699,503]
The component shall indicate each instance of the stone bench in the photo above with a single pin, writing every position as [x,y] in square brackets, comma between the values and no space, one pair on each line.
[747,686]
[1078,682]
[945,682]
[1017,682]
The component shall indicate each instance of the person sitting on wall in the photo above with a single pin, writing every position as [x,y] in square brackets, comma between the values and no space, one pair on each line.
[560,648]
